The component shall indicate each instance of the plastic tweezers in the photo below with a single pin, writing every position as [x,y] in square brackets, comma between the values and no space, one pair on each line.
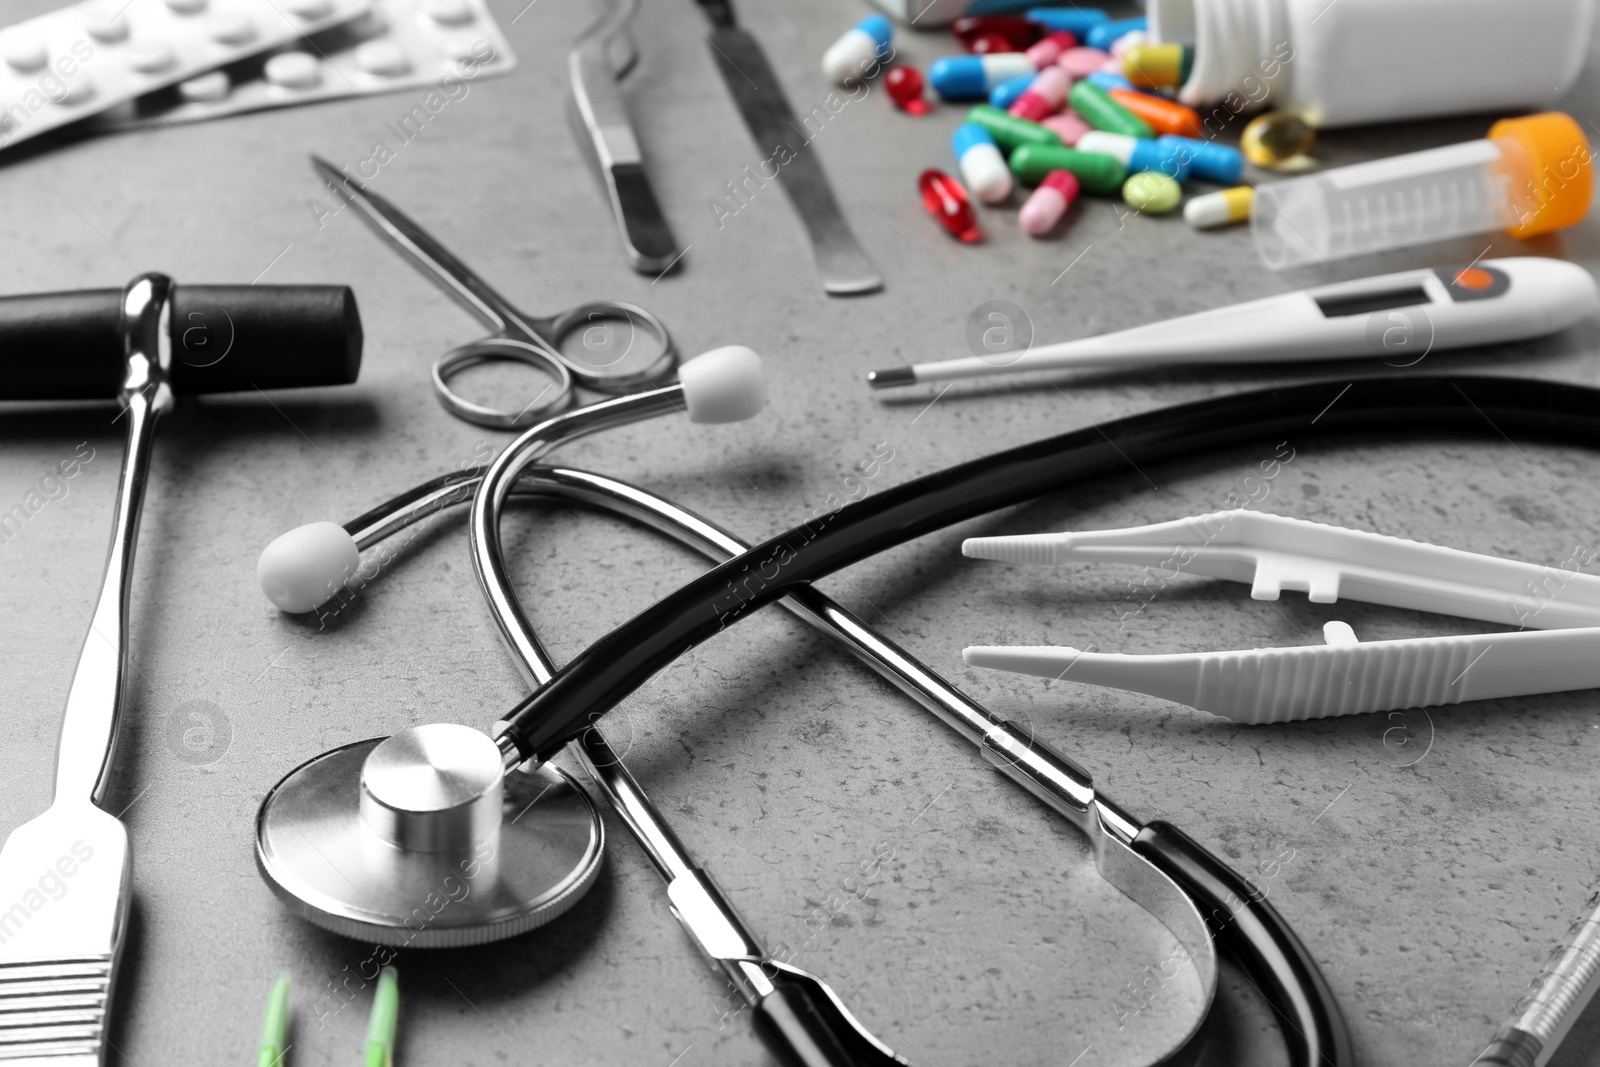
[1558,609]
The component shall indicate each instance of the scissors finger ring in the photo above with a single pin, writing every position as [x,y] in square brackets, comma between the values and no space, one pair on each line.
[551,399]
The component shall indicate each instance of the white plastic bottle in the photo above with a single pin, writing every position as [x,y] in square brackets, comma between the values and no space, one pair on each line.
[1347,62]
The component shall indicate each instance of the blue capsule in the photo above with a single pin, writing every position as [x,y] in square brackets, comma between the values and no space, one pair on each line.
[1077,21]
[975,77]
[1208,160]
[857,53]
[1006,93]
[1139,154]
[982,166]
[1105,34]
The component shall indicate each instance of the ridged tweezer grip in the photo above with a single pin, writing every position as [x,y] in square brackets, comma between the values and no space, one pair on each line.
[1313,681]
[54,1007]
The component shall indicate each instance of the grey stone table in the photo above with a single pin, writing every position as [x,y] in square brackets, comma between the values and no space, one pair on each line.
[1430,889]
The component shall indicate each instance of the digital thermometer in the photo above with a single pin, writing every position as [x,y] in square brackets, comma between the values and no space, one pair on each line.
[1396,317]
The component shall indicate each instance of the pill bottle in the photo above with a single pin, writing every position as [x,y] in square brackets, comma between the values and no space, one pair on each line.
[1347,62]
[1531,175]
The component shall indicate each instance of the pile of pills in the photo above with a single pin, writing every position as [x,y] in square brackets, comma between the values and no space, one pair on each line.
[1071,102]
[399,44]
[84,59]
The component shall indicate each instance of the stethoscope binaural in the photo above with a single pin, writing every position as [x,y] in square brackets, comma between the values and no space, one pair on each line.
[1166,872]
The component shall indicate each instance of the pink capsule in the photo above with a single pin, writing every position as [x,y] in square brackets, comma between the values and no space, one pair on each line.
[1048,203]
[1049,50]
[1082,62]
[1068,125]
[1044,97]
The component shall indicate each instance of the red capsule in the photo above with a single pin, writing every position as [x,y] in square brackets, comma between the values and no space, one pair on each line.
[1016,29]
[904,86]
[987,44]
[945,200]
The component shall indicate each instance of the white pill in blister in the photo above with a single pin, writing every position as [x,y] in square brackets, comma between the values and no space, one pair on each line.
[107,27]
[449,12]
[25,54]
[151,57]
[460,49]
[78,90]
[293,70]
[232,28]
[187,7]
[382,57]
[310,9]
[207,88]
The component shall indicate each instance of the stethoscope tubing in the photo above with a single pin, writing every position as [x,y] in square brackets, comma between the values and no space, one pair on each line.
[619,662]
[1242,921]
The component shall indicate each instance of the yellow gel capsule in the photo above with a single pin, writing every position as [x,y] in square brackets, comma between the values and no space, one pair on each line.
[1156,66]
[1151,192]
[1276,137]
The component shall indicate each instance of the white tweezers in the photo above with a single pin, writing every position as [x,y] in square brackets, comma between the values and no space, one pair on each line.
[1558,648]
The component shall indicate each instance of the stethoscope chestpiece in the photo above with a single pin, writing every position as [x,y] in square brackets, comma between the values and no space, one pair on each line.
[421,840]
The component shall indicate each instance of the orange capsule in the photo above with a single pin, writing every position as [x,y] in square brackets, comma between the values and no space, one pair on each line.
[1163,116]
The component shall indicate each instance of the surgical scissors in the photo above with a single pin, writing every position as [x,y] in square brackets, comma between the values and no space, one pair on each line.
[605,366]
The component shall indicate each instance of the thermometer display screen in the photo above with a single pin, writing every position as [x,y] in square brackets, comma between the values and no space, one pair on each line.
[1368,302]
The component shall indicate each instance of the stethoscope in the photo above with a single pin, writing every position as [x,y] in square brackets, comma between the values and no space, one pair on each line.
[625,347]
[425,838]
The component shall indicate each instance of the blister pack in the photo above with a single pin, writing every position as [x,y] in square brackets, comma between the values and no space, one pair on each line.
[80,60]
[399,44]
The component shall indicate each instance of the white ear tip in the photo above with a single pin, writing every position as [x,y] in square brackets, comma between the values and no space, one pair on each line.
[306,566]
[723,385]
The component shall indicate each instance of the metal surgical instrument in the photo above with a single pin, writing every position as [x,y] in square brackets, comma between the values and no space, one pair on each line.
[607,329]
[59,956]
[609,141]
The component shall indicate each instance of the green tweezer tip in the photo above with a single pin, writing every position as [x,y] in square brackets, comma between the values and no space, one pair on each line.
[275,1024]
[384,1020]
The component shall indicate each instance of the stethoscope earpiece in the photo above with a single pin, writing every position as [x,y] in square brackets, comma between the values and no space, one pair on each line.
[422,840]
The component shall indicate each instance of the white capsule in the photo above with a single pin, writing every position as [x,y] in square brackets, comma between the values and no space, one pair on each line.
[856,54]
[382,57]
[232,27]
[1219,209]
[107,25]
[151,57]
[293,70]
[78,90]
[984,170]
[206,89]
[25,54]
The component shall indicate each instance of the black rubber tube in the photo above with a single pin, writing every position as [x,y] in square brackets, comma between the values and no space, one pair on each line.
[620,662]
[1249,928]
[1254,933]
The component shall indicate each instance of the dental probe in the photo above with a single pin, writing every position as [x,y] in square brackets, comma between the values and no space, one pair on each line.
[1397,317]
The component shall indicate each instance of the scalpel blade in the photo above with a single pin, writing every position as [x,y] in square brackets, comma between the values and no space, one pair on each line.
[845,268]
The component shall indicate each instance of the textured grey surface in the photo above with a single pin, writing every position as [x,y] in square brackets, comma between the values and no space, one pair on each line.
[1429,893]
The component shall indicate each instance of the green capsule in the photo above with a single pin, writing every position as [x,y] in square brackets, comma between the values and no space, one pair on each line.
[1096,173]
[1011,131]
[1104,113]
[1152,193]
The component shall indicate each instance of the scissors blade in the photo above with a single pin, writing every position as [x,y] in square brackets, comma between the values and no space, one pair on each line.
[425,253]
